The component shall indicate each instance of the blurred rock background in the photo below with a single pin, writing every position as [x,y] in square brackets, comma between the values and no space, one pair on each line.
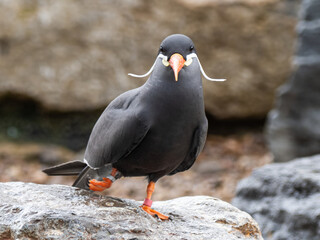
[62,62]
[284,197]
[293,126]
[75,55]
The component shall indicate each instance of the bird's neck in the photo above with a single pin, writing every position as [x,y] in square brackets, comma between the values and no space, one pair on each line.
[180,98]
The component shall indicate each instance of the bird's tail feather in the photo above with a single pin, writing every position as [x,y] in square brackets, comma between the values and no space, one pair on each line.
[66,169]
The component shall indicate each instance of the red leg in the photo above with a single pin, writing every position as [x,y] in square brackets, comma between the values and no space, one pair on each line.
[146,206]
[99,186]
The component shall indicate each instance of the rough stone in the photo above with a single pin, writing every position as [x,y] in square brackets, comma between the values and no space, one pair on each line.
[284,198]
[31,211]
[75,55]
[293,128]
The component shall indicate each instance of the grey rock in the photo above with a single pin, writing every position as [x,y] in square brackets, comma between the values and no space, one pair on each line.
[31,211]
[75,55]
[284,198]
[309,40]
[310,10]
[293,128]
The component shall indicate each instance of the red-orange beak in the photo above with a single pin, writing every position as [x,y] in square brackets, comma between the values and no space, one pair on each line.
[176,62]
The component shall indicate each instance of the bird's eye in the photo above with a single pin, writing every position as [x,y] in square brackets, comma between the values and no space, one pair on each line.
[191,48]
[161,49]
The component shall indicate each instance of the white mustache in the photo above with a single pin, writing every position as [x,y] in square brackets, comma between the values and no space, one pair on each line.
[190,56]
[151,69]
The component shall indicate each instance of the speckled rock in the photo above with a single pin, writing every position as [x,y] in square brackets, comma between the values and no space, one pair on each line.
[31,211]
[284,198]
[75,55]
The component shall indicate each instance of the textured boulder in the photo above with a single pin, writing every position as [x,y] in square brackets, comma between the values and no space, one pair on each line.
[75,55]
[293,128]
[31,211]
[284,198]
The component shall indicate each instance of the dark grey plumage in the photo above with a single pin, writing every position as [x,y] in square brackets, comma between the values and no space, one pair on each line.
[155,130]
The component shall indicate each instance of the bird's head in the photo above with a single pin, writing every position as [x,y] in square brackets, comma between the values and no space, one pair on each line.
[177,51]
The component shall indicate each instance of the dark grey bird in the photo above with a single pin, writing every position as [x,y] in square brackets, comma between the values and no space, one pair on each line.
[155,130]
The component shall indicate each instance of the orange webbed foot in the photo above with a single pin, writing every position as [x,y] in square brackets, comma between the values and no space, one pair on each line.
[99,186]
[154,213]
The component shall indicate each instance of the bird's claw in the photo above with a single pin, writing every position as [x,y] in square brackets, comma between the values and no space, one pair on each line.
[99,186]
[154,213]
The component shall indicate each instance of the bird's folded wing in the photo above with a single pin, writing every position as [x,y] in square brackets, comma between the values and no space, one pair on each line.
[118,131]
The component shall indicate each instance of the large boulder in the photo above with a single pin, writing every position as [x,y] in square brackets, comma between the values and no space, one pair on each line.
[31,211]
[284,198]
[75,55]
[293,128]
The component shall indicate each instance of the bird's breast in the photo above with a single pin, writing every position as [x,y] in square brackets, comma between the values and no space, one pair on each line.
[172,122]
[173,111]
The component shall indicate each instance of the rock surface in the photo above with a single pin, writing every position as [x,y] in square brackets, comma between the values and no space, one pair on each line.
[31,211]
[293,128]
[284,198]
[75,55]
